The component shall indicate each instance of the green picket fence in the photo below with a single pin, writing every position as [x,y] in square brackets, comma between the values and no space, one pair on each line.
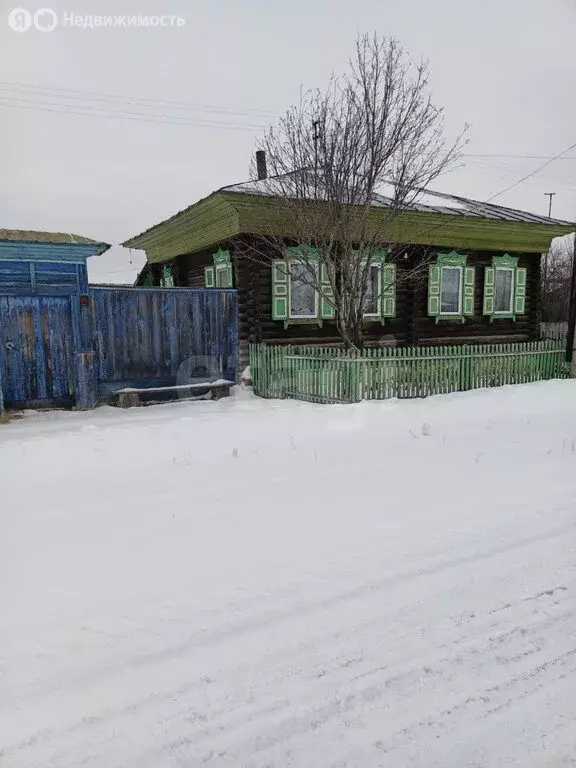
[332,375]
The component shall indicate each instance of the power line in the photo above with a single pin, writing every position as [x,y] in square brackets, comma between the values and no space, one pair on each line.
[554,176]
[30,89]
[531,174]
[191,106]
[142,101]
[519,157]
[94,111]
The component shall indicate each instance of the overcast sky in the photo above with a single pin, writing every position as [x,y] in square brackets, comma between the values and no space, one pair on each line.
[506,66]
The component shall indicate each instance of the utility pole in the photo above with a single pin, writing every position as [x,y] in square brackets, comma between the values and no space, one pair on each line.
[572,309]
[316,139]
[549,195]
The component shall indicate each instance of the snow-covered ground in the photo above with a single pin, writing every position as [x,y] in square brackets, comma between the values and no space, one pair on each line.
[255,584]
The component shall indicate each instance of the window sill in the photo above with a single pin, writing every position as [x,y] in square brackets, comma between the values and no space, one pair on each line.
[303,321]
[450,318]
[503,316]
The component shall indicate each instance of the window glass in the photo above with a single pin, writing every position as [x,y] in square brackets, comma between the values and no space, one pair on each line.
[221,277]
[302,291]
[450,294]
[503,290]
[372,291]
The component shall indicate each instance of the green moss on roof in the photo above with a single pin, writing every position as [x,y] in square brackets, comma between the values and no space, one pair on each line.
[226,213]
[34,236]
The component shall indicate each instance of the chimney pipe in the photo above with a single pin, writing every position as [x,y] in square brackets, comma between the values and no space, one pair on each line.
[261,164]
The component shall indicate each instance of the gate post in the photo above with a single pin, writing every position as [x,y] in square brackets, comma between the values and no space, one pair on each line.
[86,381]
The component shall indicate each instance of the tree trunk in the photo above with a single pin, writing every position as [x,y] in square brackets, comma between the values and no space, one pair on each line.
[351,331]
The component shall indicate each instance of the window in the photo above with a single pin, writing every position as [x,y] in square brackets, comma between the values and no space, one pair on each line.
[379,295]
[451,287]
[222,275]
[219,273]
[372,290]
[451,290]
[304,286]
[503,290]
[303,293]
[147,278]
[167,278]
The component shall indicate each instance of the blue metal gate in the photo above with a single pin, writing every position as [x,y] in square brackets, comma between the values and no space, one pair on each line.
[37,350]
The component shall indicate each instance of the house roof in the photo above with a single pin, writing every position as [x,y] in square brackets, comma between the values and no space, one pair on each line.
[462,206]
[424,201]
[33,236]
[433,218]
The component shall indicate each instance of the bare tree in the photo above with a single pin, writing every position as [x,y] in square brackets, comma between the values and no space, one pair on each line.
[344,165]
[555,286]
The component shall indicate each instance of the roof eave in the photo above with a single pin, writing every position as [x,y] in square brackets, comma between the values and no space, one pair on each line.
[202,226]
[95,247]
[209,221]
[143,238]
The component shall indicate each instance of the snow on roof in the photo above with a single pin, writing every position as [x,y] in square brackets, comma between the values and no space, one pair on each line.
[425,201]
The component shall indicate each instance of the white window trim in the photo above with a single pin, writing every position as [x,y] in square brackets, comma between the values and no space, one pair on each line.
[458,313]
[379,295]
[509,311]
[316,294]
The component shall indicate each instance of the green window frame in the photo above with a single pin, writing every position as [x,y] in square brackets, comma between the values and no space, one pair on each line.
[282,287]
[386,306]
[219,274]
[517,306]
[309,282]
[374,267]
[324,294]
[466,285]
[167,277]
[327,308]
[389,290]
[148,279]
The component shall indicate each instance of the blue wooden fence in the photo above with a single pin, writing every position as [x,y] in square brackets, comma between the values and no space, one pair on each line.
[76,349]
[153,337]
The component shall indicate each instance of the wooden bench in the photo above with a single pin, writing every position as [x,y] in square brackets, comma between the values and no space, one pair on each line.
[132,397]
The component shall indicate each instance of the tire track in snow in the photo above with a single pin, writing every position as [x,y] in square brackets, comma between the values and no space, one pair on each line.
[372,692]
[273,616]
